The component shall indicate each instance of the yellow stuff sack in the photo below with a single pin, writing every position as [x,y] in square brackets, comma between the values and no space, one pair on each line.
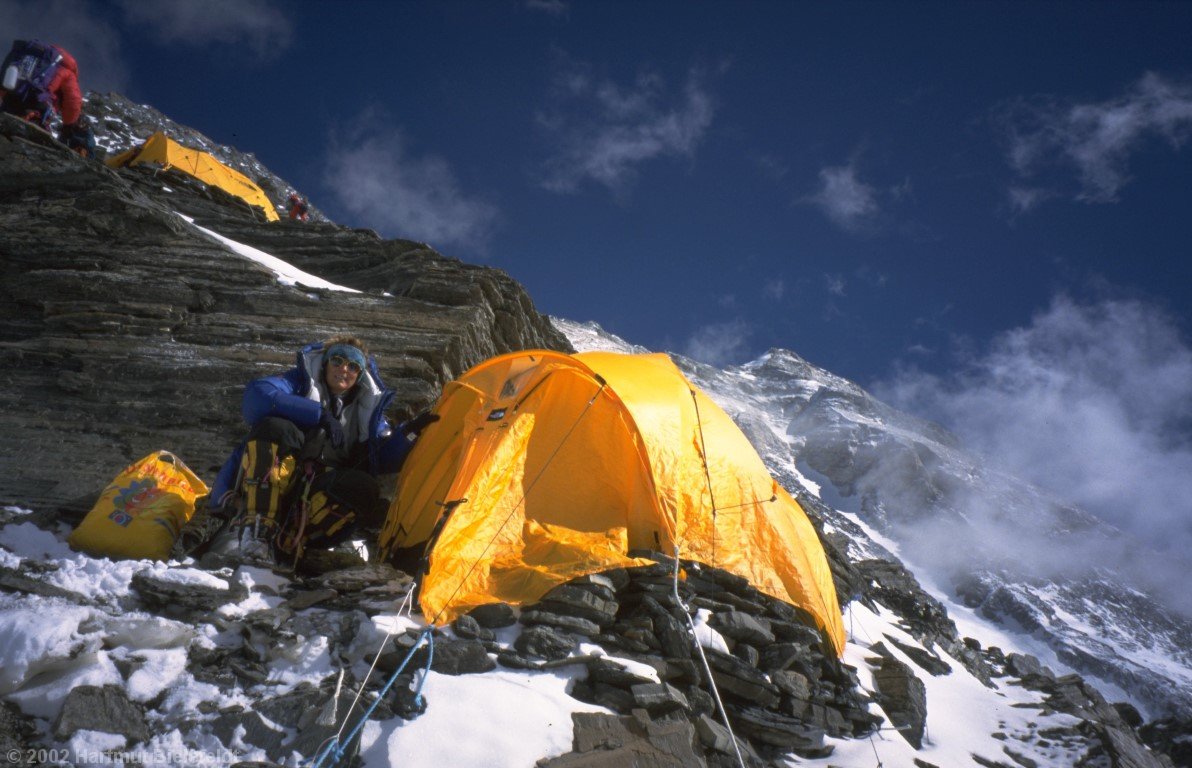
[140,513]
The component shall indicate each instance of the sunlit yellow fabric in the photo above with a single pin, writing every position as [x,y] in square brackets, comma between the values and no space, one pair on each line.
[163,150]
[554,466]
[140,513]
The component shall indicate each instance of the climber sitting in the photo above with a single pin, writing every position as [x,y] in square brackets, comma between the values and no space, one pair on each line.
[306,476]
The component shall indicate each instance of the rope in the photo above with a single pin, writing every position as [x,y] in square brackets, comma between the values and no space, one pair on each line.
[750,503]
[876,756]
[520,501]
[852,627]
[405,608]
[707,668]
[335,748]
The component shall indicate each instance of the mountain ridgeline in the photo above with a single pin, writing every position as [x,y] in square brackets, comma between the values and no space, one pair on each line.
[129,324]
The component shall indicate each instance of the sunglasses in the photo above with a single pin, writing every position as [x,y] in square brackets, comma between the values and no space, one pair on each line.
[338,361]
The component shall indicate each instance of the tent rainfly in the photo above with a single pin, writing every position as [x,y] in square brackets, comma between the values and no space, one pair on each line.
[163,150]
[544,467]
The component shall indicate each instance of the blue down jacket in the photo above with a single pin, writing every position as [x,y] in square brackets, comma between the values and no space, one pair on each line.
[298,395]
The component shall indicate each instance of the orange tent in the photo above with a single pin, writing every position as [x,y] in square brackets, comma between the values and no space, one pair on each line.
[168,153]
[545,466]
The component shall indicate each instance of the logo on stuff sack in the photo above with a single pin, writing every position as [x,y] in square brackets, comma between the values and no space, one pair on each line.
[497,414]
[133,500]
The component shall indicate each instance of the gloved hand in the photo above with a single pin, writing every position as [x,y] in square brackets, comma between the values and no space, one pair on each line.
[334,430]
[420,422]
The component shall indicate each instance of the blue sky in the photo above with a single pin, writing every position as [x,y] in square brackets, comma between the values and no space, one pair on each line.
[976,209]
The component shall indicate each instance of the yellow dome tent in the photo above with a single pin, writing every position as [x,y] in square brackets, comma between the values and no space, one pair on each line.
[163,150]
[544,467]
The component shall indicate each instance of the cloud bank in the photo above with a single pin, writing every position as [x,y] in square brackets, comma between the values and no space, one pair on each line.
[1094,140]
[603,132]
[1092,401]
[375,179]
[258,24]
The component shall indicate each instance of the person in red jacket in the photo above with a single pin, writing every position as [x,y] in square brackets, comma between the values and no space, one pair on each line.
[41,80]
[298,207]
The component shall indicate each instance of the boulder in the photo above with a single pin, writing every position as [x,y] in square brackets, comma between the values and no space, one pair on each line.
[494,615]
[468,628]
[777,730]
[455,657]
[576,624]
[248,727]
[610,741]
[106,709]
[17,735]
[612,673]
[173,592]
[545,643]
[903,697]
[737,679]
[582,602]
[743,628]
[659,698]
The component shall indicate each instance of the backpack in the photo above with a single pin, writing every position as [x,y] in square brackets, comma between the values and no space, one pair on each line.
[28,70]
[139,515]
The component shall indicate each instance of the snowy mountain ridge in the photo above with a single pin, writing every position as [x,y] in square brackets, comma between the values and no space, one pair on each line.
[896,475]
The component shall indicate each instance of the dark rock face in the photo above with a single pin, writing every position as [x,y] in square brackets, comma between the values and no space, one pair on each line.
[781,696]
[608,741]
[546,643]
[456,657]
[124,329]
[1172,737]
[182,597]
[17,735]
[106,709]
[904,699]
[1105,732]
[493,615]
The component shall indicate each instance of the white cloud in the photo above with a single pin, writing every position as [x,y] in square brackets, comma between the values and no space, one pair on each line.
[374,178]
[602,132]
[551,7]
[848,202]
[91,39]
[774,288]
[257,23]
[771,166]
[835,283]
[719,343]
[1097,139]
[1024,199]
[1090,401]
[871,276]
